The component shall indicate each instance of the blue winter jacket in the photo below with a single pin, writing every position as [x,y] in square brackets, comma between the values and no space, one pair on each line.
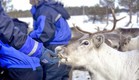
[23,26]
[10,34]
[49,26]
[9,56]
[12,58]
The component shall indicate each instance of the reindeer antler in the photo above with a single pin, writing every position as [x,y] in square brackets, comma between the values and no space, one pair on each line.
[78,29]
[114,24]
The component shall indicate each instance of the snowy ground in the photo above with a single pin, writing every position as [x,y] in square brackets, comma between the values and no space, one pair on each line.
[81,75]
[88,26]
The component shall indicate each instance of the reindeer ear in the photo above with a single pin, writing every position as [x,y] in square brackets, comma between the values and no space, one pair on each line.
[127,40]
[98,40]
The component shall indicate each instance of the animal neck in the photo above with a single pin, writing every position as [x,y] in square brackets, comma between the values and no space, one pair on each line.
[112,64]
[134,43]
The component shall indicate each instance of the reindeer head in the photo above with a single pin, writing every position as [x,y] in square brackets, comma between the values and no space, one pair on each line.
[77,53]
[125,44]
[81,51]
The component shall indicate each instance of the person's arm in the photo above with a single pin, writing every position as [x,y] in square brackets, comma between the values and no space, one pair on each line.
[14,37]
[45,29]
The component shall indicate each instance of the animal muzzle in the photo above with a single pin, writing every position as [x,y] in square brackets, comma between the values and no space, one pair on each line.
[60,50]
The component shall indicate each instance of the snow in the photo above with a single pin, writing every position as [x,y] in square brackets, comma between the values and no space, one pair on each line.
[80,75]
[28,20]
[89,26]
[21,4]
[79,3]
[24,4]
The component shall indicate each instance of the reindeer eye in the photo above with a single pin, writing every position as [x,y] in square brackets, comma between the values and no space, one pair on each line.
[85,42]
[125,43]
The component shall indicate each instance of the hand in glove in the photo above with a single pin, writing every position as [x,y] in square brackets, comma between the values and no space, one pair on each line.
[49,56]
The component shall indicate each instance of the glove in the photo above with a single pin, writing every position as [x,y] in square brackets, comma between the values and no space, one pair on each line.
[49,57]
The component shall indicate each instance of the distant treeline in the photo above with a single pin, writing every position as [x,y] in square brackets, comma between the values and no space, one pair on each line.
[16,14]
[96,10]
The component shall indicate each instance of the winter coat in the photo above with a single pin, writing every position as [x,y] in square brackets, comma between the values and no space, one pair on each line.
[10,34]
[49,25]
[26,51]
[12,58]
[23,26]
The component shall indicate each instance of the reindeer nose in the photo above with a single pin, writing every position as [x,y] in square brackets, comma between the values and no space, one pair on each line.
[99,38]
[60,49]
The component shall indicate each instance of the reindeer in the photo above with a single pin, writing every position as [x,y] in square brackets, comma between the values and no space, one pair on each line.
[129,44]
[76,34]
[134,32]
[112,38]
[128,38]
[104,62]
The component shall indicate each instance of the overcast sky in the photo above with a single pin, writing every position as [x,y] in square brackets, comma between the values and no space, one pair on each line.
[21,4]
[24,4]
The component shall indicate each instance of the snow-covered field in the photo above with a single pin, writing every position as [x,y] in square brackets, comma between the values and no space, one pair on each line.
[89,26]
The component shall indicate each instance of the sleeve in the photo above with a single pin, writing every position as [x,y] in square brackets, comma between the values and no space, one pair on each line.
[45,29]
[14,37]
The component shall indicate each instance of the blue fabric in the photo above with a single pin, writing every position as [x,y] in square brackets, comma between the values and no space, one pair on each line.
[12,35]
[38,27]
[49,56]
[62,33]
[59,7]
[29,45]
[1,9]
[33,10]
[51,69]
[12,58]
[55,31]
[46,29]
[23,74]
[9,33]
[9,56]
[23,26]
[56,72]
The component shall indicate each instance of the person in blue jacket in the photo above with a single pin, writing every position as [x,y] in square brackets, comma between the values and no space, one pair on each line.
[52,29]
[10,34]
[17,65]
[23,26]
[20,42]
[19,53]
